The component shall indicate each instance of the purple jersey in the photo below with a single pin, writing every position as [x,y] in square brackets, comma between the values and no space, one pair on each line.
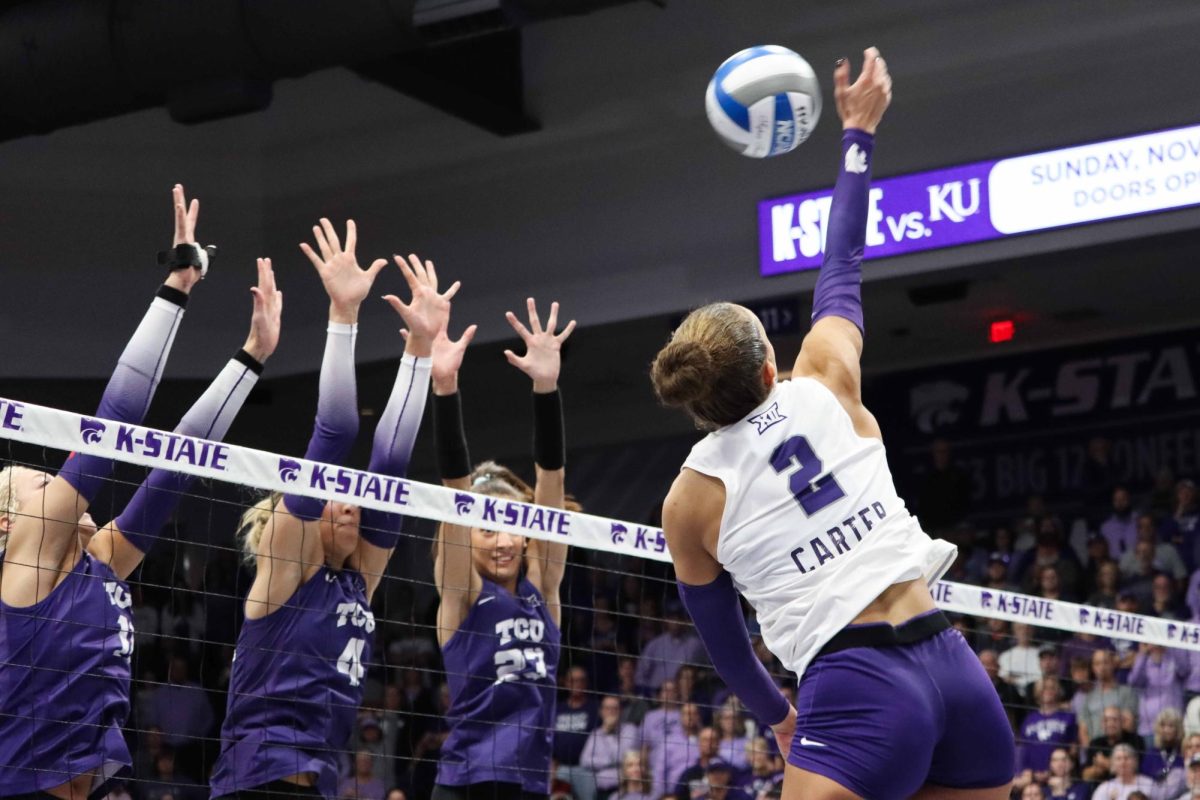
[501,665]
[296,686]
[64,681]
[1041,735]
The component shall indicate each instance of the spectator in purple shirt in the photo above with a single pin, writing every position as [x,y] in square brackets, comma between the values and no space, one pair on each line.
[1120,528]
[1063,783]
[666,653]
[1044,730]
[766,769]
[1159,673]
[606,747]
[362,785]
[635,778]
[1164,759]
[1081,645]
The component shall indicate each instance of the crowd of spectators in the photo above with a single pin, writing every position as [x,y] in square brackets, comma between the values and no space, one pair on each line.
[641,715]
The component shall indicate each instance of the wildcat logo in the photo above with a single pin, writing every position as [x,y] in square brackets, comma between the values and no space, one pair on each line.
[936,405]
[618,533]
[856,160]
[767,418]
[91,430]
[463,503]
[289,470]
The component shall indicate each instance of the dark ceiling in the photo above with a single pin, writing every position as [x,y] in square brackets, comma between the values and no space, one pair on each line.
[622,204]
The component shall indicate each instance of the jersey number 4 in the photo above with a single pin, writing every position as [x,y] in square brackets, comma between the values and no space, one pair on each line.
[813,492]
[350,664]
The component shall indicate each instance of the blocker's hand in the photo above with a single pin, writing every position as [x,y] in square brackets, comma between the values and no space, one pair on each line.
[429,311]
[543,349]
[268,311]
[861,104]
[185,233]
[346,283]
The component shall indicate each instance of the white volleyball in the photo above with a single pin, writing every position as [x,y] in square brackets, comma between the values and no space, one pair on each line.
[764,101]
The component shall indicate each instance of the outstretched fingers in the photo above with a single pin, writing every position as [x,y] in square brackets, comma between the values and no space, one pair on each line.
[376,267]
[322,243]
[351,236]
[331,237]
[453,290]
[535,324]
[518,326]
[562,337]
[312,256]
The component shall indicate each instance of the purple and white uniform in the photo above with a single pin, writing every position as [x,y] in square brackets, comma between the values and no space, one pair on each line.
[64,682]
[296,685]
[501,665]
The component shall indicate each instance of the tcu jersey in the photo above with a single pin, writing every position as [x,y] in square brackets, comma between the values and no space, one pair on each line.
[813,529]
[501,666]
[64,682]
[296,685]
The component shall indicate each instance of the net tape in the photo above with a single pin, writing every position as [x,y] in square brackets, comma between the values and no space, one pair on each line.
[149,447]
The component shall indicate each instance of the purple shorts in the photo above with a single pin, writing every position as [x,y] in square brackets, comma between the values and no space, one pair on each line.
[883,721]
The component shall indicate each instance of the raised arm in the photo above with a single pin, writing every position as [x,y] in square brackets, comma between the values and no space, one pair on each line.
[46,538]
[545,561]
[426,315]
[290,551]
[124,542]
[833,348]
[454,573]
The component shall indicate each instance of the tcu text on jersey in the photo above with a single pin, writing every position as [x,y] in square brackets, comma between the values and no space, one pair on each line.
[120,597]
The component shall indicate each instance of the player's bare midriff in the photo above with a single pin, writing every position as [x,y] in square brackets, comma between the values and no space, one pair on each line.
[899,603]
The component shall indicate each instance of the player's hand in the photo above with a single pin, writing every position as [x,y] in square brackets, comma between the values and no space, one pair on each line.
[268,310]
[785,730]
[429,312]
[185,233]
[346,283]
[543,349]
[861,104]
[447,356]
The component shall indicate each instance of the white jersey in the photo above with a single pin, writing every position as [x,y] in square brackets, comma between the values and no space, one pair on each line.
[813,529]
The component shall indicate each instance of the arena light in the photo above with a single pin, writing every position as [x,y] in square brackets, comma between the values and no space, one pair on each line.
[1002,330]
[1142,174]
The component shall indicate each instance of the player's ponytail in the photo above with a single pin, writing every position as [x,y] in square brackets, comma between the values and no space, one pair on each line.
[712,366]
[254,522]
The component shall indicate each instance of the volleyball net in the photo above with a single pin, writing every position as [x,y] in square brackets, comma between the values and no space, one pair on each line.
[626,649]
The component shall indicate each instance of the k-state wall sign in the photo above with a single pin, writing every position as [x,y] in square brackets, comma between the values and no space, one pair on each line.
[987,200]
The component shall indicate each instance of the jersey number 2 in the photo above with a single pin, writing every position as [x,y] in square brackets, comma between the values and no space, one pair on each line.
[810,491]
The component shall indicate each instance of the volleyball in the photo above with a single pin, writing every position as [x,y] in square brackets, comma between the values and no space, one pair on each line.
[763,101]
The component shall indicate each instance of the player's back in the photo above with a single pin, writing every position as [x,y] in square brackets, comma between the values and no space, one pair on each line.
[813,529]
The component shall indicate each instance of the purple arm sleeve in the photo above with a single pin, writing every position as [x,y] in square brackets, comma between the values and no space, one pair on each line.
[210,418]
[838,292]
[131,387]
[337,412]
[717,612]
[393,445]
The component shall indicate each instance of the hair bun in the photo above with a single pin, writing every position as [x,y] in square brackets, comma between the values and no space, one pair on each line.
[679,372]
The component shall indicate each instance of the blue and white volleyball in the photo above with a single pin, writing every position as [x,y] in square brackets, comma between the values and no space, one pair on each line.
[764,101]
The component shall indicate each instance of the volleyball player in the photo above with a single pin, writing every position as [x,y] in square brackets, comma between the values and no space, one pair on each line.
[789,500]
[67,633]
[297,678]
[498,619]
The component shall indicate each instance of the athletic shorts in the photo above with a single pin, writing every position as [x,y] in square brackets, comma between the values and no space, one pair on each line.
[884,711]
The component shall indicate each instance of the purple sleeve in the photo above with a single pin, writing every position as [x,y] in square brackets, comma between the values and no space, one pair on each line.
[838,292]
[159,495]
[717,612]
[132,385]
[336,425]
[1137,675]
[393,444]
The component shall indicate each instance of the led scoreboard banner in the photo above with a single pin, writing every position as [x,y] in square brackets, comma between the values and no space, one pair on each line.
[989,200]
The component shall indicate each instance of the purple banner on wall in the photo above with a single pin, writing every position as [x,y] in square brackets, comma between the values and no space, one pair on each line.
[993,199]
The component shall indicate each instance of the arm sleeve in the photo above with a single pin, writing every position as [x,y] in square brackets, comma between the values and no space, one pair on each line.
[717,612]
[159,495]
[1137,675]
[839,292]
[336,425]
[132,385]
[393,444]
